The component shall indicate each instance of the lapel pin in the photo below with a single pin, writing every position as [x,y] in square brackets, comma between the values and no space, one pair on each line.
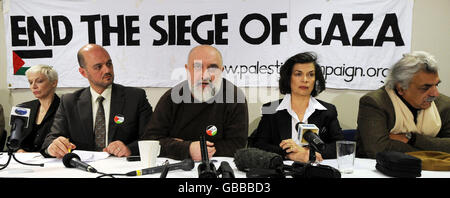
[211,130]
[119,119]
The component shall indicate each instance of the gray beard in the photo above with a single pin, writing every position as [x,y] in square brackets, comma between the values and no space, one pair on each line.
[208,92]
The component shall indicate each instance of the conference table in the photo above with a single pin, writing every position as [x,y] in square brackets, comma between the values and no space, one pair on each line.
[54,168]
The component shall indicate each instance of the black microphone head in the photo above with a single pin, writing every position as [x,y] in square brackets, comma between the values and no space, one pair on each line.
[296,125]
[68,157]
[226,170]
[18,112]
[188,164]
[248,158]
[314,140]
[17,136]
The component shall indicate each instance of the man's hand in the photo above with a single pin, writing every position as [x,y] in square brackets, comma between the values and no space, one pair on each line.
[196,154]
[60,147]
[118,149]
[399,137]
[20,151]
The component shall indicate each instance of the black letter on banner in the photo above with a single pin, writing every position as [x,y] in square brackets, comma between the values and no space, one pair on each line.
[33,27]
[91,19]
[277,28]
[356,40]
[131,30]
[390,20]
[154,24]
[16,31]
[68,28]
[263,37]
[220,29]
[172,29]
[210,33]
[318,32]
[107,30]
[336,21]
[182,29]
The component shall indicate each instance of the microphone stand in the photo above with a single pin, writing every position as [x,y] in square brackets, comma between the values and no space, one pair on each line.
[206,169]
[11,154]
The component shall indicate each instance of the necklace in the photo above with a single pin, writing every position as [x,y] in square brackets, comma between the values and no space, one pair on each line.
[42,110]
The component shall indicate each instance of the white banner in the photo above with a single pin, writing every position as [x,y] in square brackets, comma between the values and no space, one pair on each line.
[148,40]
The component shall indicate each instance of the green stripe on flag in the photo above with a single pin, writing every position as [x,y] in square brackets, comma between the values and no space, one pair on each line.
[22,71]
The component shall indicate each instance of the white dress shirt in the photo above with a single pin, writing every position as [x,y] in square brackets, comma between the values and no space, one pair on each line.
[313,105]
[106,106]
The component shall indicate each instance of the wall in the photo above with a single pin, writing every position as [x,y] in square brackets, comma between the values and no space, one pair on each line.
[430,32]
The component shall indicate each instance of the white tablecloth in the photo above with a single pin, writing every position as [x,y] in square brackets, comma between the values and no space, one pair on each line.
[54,168]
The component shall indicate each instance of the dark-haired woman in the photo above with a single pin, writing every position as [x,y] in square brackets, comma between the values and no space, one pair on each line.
[301,79]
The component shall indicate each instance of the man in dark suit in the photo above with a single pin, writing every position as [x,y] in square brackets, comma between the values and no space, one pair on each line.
[103,117]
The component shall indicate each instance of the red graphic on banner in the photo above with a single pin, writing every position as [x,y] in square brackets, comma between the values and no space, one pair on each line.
[17,62]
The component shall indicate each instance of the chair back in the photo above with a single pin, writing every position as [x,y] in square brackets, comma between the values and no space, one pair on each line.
[3,140]
[349,134]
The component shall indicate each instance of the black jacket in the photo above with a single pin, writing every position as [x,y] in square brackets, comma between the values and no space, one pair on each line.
[275,126]
[34,136]
[74,120]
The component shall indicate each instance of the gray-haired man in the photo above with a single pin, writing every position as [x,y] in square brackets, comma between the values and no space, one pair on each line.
[408,113]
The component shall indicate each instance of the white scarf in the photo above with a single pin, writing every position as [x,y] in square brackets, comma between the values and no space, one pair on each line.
[428,120]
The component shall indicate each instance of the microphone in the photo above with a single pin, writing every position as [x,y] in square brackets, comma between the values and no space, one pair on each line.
[19,120]
[226,170]
[309,134]
[253,158]
[307,170]
[206,169]
[72,160]
[165,169]
[185,165]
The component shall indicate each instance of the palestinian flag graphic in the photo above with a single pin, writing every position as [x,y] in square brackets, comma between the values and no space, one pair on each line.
[20,57]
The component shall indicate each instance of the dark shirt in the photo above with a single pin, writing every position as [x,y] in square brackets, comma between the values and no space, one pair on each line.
[28,142]
[413,110]
[187,121]
[35,133]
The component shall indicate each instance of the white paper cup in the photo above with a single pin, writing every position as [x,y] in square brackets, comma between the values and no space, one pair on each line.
[149,151]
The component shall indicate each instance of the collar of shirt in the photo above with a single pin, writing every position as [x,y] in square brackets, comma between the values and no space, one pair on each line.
[313,105]
[106,94]
[106,106]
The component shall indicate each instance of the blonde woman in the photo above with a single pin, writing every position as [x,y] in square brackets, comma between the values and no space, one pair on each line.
[43,80]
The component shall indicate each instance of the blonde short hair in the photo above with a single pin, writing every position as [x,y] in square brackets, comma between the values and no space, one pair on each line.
[48,71]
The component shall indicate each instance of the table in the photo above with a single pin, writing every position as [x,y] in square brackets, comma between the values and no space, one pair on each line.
[54,168]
